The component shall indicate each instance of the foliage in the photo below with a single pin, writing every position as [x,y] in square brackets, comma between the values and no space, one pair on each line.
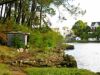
[24,11]
[41,38]
[17,41]
[81,30]
[97,33]
[57,71]
[7,26]
[22,28]
[44,40]
[36,39]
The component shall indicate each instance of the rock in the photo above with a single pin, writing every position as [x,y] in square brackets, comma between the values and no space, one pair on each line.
[54,60]
[70,47]
[69,61]
[21,49]
[98,73]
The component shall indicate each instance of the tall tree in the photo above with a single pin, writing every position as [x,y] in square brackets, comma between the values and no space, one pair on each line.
[81,29]
[24,11]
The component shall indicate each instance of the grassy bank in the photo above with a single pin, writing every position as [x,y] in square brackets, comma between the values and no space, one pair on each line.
[4,70]
[57,71]
[7,51]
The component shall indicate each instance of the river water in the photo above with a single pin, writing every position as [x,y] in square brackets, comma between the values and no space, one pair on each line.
[87,55]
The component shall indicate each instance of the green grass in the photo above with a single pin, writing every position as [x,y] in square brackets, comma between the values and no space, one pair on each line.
[7,51]
[4,70]
[57,71]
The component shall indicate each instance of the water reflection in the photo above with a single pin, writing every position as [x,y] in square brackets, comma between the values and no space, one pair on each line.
[87,55]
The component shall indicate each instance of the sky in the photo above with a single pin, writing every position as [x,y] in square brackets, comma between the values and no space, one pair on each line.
[92,8]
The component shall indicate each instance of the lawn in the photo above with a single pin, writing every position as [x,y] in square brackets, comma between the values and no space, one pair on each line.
[4,70]
[57,71]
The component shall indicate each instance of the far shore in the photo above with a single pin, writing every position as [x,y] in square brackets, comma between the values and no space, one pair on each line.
[83,41]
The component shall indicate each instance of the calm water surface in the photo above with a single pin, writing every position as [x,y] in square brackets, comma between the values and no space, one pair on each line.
[87,55]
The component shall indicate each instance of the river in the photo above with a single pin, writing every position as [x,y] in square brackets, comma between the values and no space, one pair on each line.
[87,55]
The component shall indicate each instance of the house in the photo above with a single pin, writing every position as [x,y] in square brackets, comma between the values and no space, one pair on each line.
[23,37]
[94,25]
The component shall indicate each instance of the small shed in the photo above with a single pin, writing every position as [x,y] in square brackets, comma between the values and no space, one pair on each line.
[23,37]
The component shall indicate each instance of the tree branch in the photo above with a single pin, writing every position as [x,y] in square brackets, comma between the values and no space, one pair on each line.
[5,2]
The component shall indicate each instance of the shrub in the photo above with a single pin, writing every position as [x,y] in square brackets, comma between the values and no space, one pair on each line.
[17,41]
[45,40]
[36,39]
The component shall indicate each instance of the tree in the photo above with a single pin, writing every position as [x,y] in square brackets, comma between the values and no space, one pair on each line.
[24,11]
[97,33]
[81,29]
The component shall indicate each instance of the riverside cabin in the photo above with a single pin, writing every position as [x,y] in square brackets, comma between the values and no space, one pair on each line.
[23,36]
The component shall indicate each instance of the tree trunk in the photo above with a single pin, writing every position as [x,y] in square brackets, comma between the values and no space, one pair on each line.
[41,15]
[19,12]
[9,11]
[6,2]
[16,10]
[33,7]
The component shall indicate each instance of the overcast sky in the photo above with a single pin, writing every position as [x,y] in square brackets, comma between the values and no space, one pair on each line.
[92,13]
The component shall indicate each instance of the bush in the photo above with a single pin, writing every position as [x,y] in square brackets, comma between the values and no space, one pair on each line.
[36,39]
[17,42]
[45,40]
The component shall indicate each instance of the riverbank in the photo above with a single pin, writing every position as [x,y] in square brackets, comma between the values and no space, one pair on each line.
[83,41]
[51,62]
[18,61]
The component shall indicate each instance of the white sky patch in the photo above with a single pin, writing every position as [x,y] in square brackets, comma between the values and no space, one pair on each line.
[56,22]
[92,10]
[92,14]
